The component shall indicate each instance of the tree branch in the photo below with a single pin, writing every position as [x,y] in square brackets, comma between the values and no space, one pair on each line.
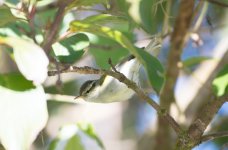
[206,113]
[51,34]
[205,116]
[213,136]
[132,85]
[178,40]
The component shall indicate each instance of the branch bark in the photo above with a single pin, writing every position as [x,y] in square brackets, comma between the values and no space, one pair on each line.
[178,40]
[196,130]
[203,118]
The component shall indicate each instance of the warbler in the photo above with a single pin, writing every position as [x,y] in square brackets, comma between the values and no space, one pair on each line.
[108,89]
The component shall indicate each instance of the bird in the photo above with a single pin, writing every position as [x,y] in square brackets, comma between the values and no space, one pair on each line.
[107,89]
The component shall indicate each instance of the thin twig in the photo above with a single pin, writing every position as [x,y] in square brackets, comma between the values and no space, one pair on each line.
[213,136]
[30,17]
[132,85]
[111,64]
[201,17]
[51,34]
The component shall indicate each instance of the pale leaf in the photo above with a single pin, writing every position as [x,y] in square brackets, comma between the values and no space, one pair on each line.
[23,115]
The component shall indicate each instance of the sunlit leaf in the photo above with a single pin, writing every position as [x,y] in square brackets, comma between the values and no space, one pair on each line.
[155,70]
[220,83]
[115,22]
[89,131]
[11,29]
[195,60]
[74,143]
[102,19]
[23,115]
[30,58]
[5,15]
[53,144]
[71,49]
[67,139]
[70,137]
[79,3]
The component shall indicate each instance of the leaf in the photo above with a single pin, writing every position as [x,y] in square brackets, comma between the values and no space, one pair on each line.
[79,3]
[16,82]
[43,18]
[23,115]
[74,143]
[189,62]
[104,48]
[5,15]
[67,139]
[53,144]
[115,22]
[30,58]
[148,14]
[155,70]
[89,131]
[71,49]
[102,19]
[220,83]
[152,14]
[156,76]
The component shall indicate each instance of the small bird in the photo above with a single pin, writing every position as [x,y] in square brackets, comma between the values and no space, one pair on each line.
[108,89]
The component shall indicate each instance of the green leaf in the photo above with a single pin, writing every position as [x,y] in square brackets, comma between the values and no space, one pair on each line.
[29,57]
[43,18]
[151,13]
[154,68]
[6,16]
[148,14]
[189,62]
[71,49]
[104,48]
[89,131]
[79,3]
[53,144]
[156,76]
[220,83]
[16,82]
[74,143]
[115,22]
